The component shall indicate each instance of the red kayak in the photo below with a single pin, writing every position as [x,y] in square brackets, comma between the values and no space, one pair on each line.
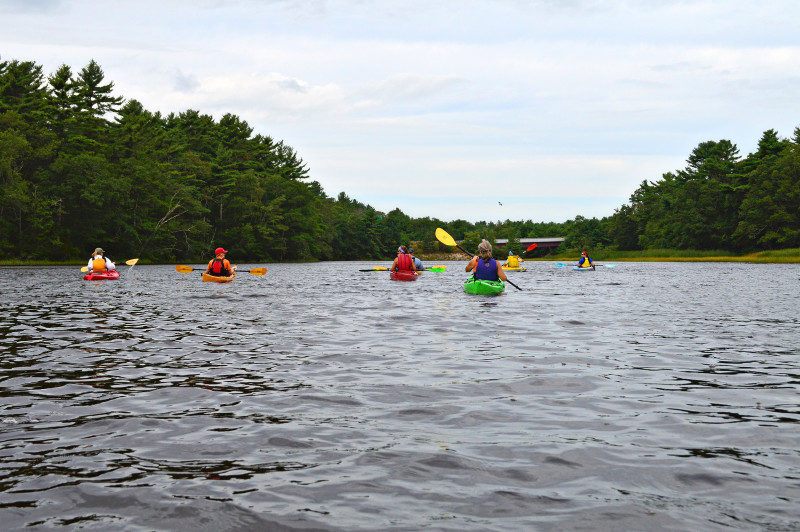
[403,275]
[102,276]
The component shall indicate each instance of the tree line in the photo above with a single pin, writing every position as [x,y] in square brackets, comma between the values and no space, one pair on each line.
[81,167]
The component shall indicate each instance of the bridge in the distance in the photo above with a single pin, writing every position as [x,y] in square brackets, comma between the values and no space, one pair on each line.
[549,242]
[553,242]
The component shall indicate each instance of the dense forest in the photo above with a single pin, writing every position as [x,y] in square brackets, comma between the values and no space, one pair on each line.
[81,167]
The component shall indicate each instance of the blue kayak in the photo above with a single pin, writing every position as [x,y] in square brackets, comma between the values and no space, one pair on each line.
[579,269]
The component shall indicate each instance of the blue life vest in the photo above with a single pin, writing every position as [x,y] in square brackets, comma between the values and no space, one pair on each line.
[486,271]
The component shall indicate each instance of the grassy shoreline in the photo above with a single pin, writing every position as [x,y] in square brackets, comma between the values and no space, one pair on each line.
[781,256]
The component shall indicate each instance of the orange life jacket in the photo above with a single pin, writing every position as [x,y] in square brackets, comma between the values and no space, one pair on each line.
[99,264]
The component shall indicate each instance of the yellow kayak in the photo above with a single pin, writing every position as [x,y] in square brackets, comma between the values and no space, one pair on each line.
[515,268]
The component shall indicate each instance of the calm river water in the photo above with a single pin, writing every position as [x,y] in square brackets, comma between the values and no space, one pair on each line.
[649,396]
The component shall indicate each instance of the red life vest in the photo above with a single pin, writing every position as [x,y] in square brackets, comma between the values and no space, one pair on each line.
[405,262]
[218,268]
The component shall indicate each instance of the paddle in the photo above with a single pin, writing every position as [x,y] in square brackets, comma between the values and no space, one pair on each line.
[438,269]
[130,262]
[531,247]
[445,238]
[188,269]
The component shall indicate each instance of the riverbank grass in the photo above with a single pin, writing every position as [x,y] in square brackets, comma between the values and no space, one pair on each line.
[680,255]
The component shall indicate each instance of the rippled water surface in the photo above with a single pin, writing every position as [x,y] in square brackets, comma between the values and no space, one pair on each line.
[643,397]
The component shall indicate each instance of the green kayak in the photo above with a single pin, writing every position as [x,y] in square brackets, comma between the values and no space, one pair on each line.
[481,287]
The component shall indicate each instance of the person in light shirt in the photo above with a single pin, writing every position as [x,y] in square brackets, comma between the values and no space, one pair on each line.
[417,262]
[100,263]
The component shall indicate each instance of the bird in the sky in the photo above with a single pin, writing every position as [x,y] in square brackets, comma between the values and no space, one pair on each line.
[499,203]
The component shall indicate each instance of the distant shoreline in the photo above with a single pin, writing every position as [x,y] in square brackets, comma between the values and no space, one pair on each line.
[787,256]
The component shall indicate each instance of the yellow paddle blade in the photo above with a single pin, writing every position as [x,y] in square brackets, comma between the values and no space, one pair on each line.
[441,266]
[131,262]
[444,237]
[85,269]
[184,269]
[258,271]
[380,268]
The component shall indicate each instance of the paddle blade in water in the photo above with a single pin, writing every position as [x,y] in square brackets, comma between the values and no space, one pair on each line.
[559,264]
[85,269]
[184,269]
[258,271]
[532,247]
[443,237]
[131,262]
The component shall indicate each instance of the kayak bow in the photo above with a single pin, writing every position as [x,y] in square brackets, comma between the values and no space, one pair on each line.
[482,287]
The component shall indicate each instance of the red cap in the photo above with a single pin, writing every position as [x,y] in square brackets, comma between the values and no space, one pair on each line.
[219,250]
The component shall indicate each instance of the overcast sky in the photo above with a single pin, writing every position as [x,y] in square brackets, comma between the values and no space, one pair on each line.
[449,109]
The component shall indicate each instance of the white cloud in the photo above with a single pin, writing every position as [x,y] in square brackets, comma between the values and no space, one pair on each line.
[547,99]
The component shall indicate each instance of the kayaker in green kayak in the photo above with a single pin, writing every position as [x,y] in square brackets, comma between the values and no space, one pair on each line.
[486,268]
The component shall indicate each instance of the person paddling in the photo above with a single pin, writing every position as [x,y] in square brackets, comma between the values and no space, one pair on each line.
[512,261]
[417,262]
[585,261]
[486,268]
[219,265]
[100,263]
[403,262]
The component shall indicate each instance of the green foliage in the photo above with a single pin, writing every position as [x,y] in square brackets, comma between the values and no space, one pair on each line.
[770,212]
[717,202]
[82,167]
[584,234]
[471,241]
[513,244]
